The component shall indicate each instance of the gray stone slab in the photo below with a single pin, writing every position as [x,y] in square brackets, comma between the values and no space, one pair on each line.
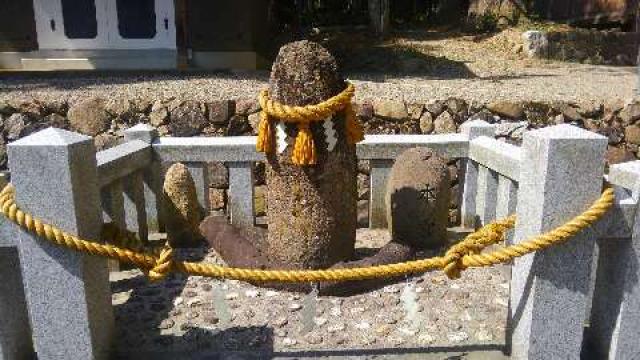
[15,334]
[243,148]
[112,198]
[469,172]
[378,176]
[207,149]
[498,156]
[68,295]
[487,195]
[378,147]
[561,176]
[152,176]
[626,175]
[507,197]
[200,175]
[135,208]
[241,193]
[122,160]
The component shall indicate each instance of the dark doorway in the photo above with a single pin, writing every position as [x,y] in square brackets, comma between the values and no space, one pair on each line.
[136,19]
[79,19]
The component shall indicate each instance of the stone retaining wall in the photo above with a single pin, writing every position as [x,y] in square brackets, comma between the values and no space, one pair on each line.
[107,119]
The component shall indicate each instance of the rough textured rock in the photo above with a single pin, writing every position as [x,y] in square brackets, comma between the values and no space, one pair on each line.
[89,117]
[187,119]
[217,199]
[16,126]
[56,120]
[616,155]
[417,199]
[184,212]
[105,141]
[507,109]
[630,113]
[159,114]
[426,123]
[632,134]
[396,110]
[444,124]
[246,107]
[238,125]
[219,111]
[312,210]
[218,175]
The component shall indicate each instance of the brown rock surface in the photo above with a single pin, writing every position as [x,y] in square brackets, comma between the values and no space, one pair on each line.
[183,211]
[312,209]
[417,199]
[89,117]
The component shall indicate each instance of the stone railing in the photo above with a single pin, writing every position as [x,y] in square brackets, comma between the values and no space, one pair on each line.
[553,176]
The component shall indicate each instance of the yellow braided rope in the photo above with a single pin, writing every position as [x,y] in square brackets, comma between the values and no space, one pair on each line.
[304,152]
[461,256]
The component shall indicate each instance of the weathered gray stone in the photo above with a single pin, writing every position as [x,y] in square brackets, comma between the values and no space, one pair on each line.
[415,111]
[187,119]
[390,109]
[435,108]
[549,290]
[89,117]
[513,130]
[67,292]
[417,199]
[200,175]
[444,124]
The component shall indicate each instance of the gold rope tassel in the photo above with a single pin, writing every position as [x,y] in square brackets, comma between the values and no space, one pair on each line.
[304,151]
[353,128]
[265,134]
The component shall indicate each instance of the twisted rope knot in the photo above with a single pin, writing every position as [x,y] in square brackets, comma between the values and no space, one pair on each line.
[163,266]
[490,234]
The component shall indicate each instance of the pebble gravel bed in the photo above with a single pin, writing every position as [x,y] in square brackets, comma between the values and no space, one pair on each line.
[184,315]
[563,82]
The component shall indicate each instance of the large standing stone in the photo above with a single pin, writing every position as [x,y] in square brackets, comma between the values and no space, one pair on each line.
[89,117]
[312,209]
[184,212]
[417,198]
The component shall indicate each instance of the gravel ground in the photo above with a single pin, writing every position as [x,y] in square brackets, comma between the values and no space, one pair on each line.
[202,316]
[411,66]
[563,82]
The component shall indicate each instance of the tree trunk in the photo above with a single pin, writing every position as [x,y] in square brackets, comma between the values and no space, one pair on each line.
[312,209]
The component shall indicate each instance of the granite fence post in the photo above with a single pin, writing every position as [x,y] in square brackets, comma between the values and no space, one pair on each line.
[68,294]
[615,315]
[15,333]
[241,193]
[152,177]
[469,171]
[378,176]
[200,175]
[561,175]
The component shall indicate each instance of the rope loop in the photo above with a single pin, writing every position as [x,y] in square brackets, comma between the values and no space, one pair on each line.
[466,254]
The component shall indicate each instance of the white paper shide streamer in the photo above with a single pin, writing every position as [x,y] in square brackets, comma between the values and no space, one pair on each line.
[282,140]
[330,133]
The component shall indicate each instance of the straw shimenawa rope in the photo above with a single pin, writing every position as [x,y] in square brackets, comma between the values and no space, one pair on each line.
[304,151]
[461,256]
